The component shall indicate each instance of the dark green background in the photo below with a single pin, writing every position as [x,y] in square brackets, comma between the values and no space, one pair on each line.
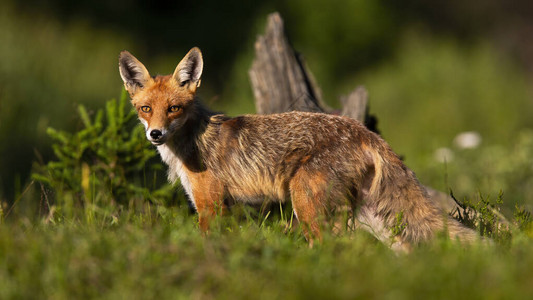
[433,68]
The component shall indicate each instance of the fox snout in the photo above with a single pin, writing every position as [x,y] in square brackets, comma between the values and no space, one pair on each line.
[157,136]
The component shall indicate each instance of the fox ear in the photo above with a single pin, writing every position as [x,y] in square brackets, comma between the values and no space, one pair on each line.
[133,72]
[189,70]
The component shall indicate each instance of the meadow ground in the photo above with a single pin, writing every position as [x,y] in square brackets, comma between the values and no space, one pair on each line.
[158,252]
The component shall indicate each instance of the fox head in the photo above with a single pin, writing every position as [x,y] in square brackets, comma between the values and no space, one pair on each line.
[162,102]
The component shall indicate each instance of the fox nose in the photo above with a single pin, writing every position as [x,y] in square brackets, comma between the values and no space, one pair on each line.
[156,134]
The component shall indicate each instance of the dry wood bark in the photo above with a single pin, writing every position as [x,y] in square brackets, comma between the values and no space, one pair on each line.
[282,82]
[279,77]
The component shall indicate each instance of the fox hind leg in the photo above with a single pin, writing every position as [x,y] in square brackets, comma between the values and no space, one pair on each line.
[308,194]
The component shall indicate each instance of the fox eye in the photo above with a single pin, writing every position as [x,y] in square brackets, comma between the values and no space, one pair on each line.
[146,109]
[174,108]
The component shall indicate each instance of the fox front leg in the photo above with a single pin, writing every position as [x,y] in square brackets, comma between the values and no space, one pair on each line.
[208,198]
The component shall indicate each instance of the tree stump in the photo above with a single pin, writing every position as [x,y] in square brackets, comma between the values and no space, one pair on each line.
[279,77]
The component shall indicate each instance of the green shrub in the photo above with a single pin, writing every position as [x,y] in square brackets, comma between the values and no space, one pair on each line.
[108,162]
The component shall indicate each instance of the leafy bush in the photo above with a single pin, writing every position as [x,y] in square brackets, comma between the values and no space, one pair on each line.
[105,163]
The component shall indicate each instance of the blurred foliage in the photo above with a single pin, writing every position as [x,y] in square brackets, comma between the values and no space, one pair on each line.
[340,38]
[432,69]
[46,71]
[103,164]
[489,170]
[435,89]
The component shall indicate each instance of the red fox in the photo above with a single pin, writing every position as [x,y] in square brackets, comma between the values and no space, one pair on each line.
[320,162]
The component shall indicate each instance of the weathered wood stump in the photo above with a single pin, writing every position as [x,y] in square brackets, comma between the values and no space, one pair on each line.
[280,80]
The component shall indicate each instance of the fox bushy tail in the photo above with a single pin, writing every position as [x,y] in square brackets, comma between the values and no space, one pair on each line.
[402,203]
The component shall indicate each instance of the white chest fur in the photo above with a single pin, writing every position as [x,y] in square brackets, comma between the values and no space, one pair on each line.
[176,170]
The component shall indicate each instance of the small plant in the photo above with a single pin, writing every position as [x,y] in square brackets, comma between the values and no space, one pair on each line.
[523,219]
[399,225]
[484,216]
[105,163]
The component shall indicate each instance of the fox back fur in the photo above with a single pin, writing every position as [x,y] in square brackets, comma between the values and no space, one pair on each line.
[320,162]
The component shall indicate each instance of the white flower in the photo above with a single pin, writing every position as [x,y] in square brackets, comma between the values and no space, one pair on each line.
[467,140]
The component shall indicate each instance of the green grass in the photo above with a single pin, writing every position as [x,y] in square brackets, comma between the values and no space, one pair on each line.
[159,253]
